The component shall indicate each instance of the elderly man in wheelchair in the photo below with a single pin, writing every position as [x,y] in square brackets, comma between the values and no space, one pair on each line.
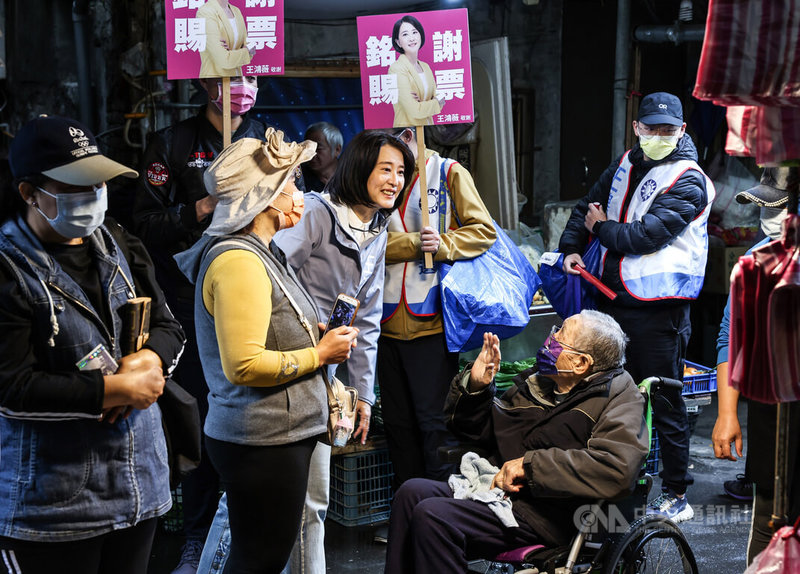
[570,432]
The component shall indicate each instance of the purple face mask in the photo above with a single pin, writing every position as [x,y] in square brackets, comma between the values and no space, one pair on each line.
[547,355]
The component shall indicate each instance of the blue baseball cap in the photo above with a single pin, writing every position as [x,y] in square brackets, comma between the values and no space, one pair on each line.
[62,149]
[661,108]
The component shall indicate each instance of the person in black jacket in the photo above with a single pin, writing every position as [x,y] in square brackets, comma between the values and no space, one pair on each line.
[568,432]
[171,211]
[649,210]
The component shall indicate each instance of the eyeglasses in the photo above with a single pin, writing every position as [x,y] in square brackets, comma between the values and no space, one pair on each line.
[660,129]
[555,329]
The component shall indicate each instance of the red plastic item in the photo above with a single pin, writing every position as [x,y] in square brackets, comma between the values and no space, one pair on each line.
[596,282]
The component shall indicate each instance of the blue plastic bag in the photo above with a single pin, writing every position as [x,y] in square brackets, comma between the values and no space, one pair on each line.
[491,292]
[567,293]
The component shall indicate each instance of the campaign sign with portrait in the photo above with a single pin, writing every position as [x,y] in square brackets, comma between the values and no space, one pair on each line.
[415,69]
[218,38]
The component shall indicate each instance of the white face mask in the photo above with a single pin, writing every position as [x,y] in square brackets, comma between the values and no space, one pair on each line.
[78,214]
[771,220]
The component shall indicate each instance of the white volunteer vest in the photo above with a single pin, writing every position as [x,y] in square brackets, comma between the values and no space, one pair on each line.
[405,281]
[676,270]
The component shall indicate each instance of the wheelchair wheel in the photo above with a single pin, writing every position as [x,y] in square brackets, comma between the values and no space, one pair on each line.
[653,544]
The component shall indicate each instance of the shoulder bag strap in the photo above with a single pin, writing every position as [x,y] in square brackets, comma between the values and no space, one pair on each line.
[300,315]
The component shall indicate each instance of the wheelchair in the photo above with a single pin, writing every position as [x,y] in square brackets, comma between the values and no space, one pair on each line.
[644,544]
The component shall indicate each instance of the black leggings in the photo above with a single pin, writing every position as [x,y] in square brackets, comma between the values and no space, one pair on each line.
[124,551]
[266,487]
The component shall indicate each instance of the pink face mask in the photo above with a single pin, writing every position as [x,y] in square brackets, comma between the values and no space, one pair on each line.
[243,96]
[287,219]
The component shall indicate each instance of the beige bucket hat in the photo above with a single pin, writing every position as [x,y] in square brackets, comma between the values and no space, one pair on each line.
[248,175]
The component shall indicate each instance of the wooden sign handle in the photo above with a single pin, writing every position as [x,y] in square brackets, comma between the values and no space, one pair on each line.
[423,193]
[226,112]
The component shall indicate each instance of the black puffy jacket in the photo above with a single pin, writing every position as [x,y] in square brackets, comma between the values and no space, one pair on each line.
[667,217]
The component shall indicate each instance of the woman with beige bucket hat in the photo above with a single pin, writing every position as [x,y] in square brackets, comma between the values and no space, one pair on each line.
[261,354]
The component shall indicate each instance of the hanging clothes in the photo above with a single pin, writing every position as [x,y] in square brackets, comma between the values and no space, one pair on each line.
[764,352]
[784,312]
[750,63]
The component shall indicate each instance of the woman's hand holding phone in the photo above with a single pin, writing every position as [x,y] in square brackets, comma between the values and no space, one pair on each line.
[335,345]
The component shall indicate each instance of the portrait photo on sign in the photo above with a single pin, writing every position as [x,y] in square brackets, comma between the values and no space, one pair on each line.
[224,38]
[415,69]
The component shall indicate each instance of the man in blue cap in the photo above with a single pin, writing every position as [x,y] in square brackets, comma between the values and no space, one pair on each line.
[649,209]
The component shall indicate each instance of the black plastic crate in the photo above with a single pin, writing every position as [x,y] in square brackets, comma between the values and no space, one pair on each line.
[361,487]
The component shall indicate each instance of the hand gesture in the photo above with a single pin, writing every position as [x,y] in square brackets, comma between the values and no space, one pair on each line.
[144,387]
[594,214]
[572,261]
[486,364]
[364,412]
[430,239]
[335,345]
[205,207]
[511,477]
[726,431]
[141,359]
[115,414]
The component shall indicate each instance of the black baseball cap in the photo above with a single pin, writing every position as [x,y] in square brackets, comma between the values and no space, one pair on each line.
[772,190]
[661,108]
[62,149]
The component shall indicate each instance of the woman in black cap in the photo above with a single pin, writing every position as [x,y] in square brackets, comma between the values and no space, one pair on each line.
[83,472]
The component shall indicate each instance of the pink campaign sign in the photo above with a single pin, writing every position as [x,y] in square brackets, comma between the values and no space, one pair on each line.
[224,38]
[415,68]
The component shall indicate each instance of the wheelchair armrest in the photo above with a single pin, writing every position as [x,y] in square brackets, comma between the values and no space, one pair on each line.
[453,453]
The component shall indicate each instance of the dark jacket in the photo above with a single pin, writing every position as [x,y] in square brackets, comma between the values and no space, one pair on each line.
[23,386]
[170,183]
[667,217]
[591,446]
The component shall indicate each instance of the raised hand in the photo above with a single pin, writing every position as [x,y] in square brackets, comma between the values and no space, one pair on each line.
[486,364]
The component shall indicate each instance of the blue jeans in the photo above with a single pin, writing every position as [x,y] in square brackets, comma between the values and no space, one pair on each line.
[308,554]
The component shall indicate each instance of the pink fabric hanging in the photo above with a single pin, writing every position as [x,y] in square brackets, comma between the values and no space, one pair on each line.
[742,131]
[764,348]
[750,62]
[765,132]
[784,316]
[751,53]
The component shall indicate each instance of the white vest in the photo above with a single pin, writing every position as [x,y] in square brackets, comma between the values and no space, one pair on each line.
[405,281]
[676,270]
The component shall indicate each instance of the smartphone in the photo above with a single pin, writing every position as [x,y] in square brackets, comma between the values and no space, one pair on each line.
[344,312]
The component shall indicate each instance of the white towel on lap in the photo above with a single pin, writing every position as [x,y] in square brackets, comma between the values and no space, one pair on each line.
[475,483]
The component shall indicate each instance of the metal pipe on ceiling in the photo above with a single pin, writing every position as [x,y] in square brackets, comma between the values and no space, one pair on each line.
[677,33]
[621,71]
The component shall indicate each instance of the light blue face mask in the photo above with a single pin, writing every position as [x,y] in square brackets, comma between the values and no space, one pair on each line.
[771,220]
[78,214]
